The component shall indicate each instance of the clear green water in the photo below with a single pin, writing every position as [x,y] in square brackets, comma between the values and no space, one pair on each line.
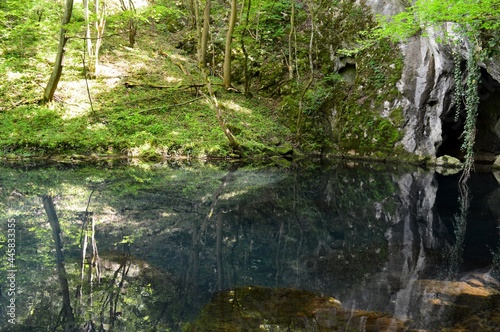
[222,247]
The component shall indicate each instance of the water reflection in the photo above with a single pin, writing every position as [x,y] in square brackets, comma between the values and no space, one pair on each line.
[175,246]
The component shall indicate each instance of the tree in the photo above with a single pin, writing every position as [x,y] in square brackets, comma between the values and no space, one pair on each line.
[58,65]
[66,311]
[132,24]
[94,42]
[229,38]
[204,35]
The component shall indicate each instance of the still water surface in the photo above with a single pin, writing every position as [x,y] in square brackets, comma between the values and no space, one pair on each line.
[227,247]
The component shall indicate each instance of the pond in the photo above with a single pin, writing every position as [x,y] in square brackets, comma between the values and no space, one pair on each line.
[188,246]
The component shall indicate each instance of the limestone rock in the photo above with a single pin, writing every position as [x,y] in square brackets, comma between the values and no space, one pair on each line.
[462,298]
[447,165]
[496,174]
[496,164]
[448,161]
[427,88]
[492,65]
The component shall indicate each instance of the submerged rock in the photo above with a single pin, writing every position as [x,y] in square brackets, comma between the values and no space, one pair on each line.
[255,308]
[464,300]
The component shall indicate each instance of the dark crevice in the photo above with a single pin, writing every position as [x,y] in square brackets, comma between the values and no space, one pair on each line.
[488,124]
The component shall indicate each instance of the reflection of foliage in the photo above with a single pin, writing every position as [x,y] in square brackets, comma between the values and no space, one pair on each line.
[496,258]
[277,225]
[460,226]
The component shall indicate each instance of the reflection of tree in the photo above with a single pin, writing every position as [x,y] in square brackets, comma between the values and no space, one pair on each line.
[111,297]
[88,230]
[218,250]
[460,226]
[496,258]
[67,316]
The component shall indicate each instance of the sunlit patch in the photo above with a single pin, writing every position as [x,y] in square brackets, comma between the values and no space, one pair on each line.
[174,133]
[168,214]
[177,57]
[232,194]
[235,107]
[74,96]
[171,79]
[108,70]
[12,76]
[96,126]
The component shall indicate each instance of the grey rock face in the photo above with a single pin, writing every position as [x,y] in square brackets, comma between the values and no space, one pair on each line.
[427,88]
[386,8]
[427,85]
[493,67]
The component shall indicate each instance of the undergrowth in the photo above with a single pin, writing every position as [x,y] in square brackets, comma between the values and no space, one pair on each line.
[147,102]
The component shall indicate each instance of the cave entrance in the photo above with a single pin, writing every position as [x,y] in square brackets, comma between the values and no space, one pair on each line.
[451,135]
[488,124]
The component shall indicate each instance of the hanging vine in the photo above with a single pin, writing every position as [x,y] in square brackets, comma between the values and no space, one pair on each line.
[471,109]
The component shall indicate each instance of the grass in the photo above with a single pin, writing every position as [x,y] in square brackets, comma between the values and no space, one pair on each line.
[142,105]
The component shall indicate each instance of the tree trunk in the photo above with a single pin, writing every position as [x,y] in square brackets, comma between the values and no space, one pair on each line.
[88,37]
[132,25]
[311,68]
[243,48]
[290,35]
[58,65]
[204,35]
[218,250]
[100,23]
[68,316]
[229,38]
[213,100]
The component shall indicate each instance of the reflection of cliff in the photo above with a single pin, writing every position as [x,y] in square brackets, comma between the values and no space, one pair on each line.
[402,272]
[416,236]
[421,247]
[415,241]
[376,237]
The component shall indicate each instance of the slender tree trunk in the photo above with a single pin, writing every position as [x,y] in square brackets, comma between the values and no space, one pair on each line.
[213,100]
[229,38]
[290,42]
[192,5]
[68,316]
[218,250]
[311,68]
[100,12]
[58,65]
[243,48]
[204,35]
[132,25]
[88,38]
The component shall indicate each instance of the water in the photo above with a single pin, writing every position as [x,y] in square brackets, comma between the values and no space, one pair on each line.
[227,247]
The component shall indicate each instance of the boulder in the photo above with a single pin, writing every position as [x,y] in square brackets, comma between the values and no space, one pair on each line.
[448,161]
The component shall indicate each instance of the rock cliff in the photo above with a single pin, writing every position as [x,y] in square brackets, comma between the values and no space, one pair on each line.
[426,95]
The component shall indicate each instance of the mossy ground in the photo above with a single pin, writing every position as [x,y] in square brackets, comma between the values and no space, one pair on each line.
[147,101]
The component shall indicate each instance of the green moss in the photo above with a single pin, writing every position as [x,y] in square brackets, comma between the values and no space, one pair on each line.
[365,122]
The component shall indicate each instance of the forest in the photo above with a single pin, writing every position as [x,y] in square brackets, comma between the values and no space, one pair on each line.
[215,79]
[256,165]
